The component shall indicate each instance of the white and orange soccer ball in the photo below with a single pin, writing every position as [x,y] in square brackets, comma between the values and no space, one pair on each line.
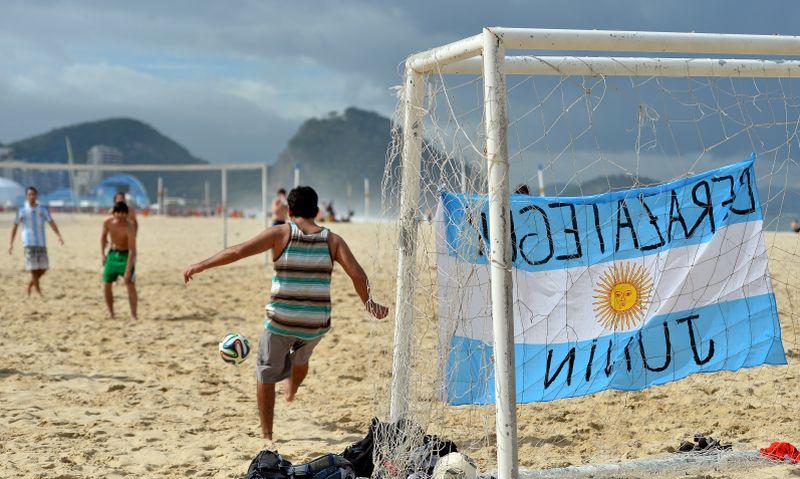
[234,348]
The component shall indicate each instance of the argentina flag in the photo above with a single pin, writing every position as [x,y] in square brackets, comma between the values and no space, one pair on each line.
[623,290]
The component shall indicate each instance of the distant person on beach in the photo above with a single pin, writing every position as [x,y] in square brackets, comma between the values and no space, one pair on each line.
[120,259]
[330,213]
[320,214]
[33,216]
[795,226]
[280,209]
[298,313]
[120,196]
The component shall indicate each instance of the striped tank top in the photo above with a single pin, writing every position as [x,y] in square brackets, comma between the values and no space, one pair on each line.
[300,299]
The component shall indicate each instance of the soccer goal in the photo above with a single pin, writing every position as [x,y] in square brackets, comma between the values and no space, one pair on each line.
[223,169]
[577,117]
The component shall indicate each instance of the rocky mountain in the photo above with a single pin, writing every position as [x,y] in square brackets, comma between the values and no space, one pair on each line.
[336,151]
[138,141]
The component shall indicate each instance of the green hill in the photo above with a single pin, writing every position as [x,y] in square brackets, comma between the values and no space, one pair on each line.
[332,152]
[139,143]
[342,149]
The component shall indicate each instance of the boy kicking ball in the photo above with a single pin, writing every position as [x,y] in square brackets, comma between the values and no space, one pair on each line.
[299,310]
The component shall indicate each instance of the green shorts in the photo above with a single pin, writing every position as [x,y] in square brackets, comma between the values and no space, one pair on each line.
[116,263]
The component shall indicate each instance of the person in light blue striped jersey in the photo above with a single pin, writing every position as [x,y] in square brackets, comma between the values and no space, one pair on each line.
[33,217]
[298,313]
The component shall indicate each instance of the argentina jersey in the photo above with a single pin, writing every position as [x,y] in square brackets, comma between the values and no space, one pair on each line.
[33,220]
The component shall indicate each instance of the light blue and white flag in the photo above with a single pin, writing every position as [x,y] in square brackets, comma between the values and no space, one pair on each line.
[623,290]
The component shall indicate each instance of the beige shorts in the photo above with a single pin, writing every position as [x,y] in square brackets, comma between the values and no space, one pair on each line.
[278,353]
[36,258]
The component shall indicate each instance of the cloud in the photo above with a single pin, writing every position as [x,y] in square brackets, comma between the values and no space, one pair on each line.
[214,124]
[266,64]
[233,80]
[348,37]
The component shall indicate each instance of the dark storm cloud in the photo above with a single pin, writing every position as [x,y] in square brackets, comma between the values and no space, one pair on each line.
[232,80]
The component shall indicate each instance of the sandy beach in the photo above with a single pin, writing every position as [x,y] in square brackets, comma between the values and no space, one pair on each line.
[82,395]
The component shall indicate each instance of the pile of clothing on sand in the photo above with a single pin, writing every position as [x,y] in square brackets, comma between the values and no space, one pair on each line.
[402,450]
[777,451]
[389,450]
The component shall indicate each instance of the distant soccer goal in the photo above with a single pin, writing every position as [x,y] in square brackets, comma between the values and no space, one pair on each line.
[223,169]
[582,233]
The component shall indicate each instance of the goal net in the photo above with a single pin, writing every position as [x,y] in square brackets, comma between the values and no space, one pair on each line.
[581,130]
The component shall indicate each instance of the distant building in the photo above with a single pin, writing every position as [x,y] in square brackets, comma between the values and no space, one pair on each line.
[84,181]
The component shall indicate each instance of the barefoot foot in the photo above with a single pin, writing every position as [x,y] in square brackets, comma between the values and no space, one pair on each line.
[286,385]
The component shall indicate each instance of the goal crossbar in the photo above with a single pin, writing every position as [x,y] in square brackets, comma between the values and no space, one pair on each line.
[633,66]
[484,54]
[609,41]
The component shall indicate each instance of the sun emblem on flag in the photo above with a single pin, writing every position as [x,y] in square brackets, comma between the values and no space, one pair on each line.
[622,296]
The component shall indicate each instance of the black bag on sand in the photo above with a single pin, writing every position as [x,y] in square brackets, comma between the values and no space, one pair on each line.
[268,465]
[360,453]
[703,444]
[329,466]
[439,447]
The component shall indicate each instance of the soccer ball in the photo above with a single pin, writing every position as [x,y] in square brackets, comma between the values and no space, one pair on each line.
[234,348]
[455,466]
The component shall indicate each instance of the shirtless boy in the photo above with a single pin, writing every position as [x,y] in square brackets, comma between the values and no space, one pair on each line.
[120,196]
[121,257]
[299,311]
[280,209]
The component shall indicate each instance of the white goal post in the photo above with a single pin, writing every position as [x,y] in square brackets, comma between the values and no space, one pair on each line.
[485,54]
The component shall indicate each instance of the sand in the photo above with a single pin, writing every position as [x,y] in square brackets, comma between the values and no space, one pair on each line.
[82,395]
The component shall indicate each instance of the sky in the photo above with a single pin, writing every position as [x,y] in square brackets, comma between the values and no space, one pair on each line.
[232,80]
